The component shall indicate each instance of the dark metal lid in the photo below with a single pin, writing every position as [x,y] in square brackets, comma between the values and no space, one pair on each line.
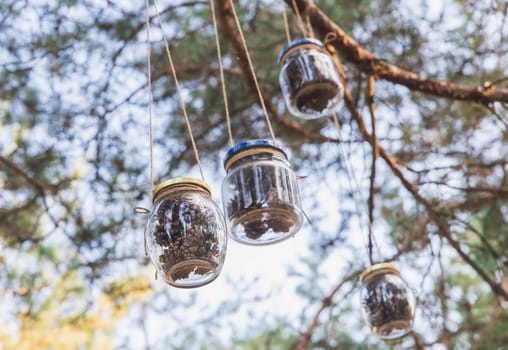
[296,43]
[250,144]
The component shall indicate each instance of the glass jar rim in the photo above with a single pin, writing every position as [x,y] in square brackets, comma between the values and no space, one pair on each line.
[178,182]
[296,43]
[378,269]
[255,146]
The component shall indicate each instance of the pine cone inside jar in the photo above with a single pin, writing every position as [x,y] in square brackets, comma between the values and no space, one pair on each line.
[254,230]
[193,246]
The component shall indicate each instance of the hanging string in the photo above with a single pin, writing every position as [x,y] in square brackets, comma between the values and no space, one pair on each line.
[354,186]
[179,91]
[371,240]
[251,67]
[309,26]
[140,210]
[221,69]
[352,179]
[286,24]
[299,19]
[150,97]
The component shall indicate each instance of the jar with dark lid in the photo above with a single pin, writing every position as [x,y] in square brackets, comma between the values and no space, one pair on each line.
[186,234]
[388,304]
[309,79]
[260,194]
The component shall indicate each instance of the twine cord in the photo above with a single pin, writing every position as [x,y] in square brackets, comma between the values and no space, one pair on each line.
[354,186]
[299,19]
[371,239]
[251,66]
[353,180]
[221,70]
[150,97]
[309,26]
[286,24]
[179,91]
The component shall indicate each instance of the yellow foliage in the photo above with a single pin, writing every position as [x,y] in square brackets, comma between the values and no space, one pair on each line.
[51,327]
[80,169]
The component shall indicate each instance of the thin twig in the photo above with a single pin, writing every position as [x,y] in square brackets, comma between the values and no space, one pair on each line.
[36,184]
[326,302]
[374,143]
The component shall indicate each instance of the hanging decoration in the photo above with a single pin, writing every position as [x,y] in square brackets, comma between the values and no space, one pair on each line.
[388,304]
[308,79]
[186,233]
[260,193]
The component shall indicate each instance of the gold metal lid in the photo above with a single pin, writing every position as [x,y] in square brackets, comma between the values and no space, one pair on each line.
[179,181]
[378,269]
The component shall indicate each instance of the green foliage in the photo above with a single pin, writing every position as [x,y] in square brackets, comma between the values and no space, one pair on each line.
[275,339]
[21,222]
[74,162]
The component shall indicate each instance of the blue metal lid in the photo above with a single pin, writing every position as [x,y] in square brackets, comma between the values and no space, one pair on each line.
[250,144]
[295,43]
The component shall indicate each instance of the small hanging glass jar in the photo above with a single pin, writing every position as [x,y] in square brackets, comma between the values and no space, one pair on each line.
[260,194]
[186,234]
[309,79]
[388,304]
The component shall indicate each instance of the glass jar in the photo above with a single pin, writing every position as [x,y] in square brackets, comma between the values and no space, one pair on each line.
[186,234]
[309,79]
[388,304]
[260,194]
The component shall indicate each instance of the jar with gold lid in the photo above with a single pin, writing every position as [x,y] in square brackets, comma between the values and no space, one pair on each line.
[388,304]
[186,234]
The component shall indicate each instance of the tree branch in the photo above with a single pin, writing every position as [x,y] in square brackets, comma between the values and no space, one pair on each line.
[39,187]
[369,63]
[372,65]
[434,212]
[36,184]
[230,32]
[326,302]
[374,143]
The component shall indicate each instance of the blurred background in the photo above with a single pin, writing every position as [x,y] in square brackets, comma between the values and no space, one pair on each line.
[75,160]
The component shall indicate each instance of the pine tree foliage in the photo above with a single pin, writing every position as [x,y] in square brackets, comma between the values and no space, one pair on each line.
[74,162]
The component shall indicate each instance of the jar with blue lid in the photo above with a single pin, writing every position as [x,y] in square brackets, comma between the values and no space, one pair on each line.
[186,233]
[260,194]
[388,304]
[309,79]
